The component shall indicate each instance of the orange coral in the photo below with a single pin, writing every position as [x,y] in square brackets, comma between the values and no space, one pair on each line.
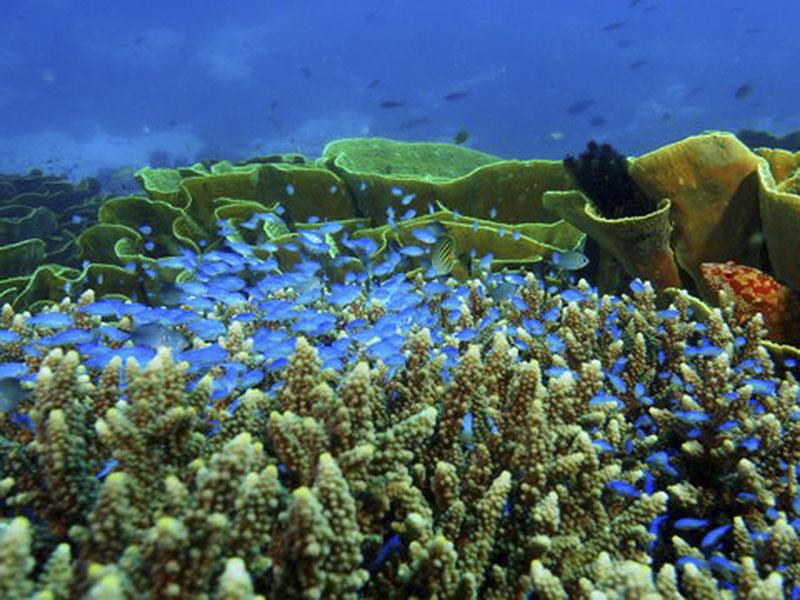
[754,292]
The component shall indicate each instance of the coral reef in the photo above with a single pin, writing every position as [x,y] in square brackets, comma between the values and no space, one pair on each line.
[424,438]
[40,218]
[286,378]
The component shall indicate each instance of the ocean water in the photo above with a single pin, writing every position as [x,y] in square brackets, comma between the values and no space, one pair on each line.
[93,84]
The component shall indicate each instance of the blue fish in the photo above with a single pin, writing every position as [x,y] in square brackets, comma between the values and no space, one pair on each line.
[660,460]
[427,235]
[713,537]
[13,369]
[569,260]
[51,320]
[691,416]
[763,387]
[690,524]
[623,488]
[413,251]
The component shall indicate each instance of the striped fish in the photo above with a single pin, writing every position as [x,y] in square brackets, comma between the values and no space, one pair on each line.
[443,257]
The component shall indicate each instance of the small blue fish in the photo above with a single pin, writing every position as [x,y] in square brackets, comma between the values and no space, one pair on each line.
[691,416]
[572,295]
[713,537]
[763,387]
[412,251]
[9,337]
[623,488]
[407,199]
[569,260]
[722,565]
[13,369]
[750,444]
[602,446]
[660,461]
[427,235]
[108,466]
[51,320]
[690,524]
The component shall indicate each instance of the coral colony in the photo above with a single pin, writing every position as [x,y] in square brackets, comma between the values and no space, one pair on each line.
[381,376]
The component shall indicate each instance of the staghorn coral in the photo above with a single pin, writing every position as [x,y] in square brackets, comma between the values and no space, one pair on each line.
[285,429]
[560,444]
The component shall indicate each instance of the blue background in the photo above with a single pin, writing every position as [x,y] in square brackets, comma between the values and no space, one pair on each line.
[93,83]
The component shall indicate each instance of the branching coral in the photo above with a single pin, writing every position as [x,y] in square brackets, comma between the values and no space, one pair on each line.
[589,444]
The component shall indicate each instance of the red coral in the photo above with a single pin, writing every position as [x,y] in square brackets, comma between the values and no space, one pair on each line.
[754,292]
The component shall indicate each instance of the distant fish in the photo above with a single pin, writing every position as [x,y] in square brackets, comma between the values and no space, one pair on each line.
[752,31]
[597,122]
[636,64]
[391,104]
[306,72]
[633,3]
[461,137]
[455,96]
[743,91]
[578,107]
[613,26]
[412,123]
[374,83]
[624,43]
[557,135]
[273,105]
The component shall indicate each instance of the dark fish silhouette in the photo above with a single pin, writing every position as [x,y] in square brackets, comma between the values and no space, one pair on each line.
[743,91]
[752,31]
[391,104]
[597,122]
[273,105]
[461,137]
[637,63]
[306,72]
[455,96]
[614,25]
[374,83]
[578,107]
[633,3]
[650,9]
[624,43]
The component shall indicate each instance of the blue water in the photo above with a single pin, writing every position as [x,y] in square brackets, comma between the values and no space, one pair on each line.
[98,83]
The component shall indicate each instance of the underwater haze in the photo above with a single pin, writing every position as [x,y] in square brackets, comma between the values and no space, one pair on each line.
[95,84]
